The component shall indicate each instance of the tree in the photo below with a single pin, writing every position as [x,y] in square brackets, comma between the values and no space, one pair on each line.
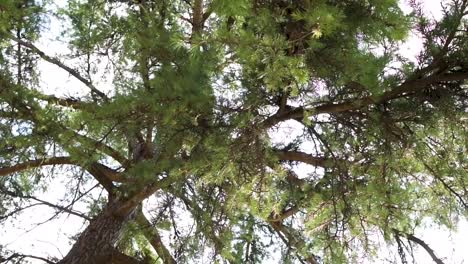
[200,91]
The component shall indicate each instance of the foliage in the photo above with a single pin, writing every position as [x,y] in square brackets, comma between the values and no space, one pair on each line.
[180,116]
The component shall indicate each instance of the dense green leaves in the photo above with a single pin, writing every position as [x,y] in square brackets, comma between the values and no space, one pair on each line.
[204,114]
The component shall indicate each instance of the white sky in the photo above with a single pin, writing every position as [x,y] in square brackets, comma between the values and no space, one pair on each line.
[51,238]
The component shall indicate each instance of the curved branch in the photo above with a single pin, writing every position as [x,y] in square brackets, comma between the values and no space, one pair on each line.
[61,65]
[426,247]
[423,244]
[102,147]
[22,256]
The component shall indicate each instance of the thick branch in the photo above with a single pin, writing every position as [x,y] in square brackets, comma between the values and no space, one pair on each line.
[154,238]
[292,240]
[303,157]
[426,247]
[103,147]
[118,257]
[197,17]
[103,174]
[405,89]
[423,244]
[286,213]
[66,102]
[131,203]
[34,164]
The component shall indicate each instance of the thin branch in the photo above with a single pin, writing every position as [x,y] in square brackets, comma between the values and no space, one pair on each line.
[28,114]
[42,202]
[448,187]
[59,207]
[22,256]
[195,210]
[61,65]
[16,210]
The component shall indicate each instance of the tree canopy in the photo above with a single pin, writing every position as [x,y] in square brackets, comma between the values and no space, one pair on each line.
[239,131]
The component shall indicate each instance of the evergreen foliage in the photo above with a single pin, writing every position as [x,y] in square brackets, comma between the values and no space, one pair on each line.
[185,138]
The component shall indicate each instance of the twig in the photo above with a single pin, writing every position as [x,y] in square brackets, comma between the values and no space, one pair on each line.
[58,63]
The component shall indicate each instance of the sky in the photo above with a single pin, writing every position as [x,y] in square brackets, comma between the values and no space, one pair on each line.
[51,238]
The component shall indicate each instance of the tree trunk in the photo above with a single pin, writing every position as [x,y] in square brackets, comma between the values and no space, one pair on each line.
[97,243]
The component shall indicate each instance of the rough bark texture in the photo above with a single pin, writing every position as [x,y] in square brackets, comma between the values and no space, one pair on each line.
[97,243]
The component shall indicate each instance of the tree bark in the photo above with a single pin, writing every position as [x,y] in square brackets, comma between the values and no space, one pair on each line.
[97,243]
